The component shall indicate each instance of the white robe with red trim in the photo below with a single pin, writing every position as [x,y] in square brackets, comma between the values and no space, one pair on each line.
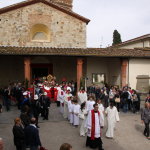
[99,121]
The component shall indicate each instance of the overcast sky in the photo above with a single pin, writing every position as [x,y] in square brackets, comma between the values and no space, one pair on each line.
[130,17]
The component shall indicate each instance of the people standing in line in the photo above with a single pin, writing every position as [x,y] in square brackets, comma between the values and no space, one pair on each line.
[145,117]
[94,123]
[19,135]
[112,118]
[65,146]
[83,116]
[32,136]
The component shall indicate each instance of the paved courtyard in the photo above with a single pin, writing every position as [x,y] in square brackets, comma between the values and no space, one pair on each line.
[55,131]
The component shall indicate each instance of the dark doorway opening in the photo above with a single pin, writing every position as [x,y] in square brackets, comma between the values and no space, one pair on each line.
[41,70]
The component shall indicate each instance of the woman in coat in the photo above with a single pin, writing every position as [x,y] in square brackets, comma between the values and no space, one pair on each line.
[145,117]
[19,136]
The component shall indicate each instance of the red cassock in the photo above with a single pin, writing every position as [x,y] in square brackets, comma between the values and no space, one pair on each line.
[55,94]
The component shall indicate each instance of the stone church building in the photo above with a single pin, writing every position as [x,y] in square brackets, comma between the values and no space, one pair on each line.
[41,37]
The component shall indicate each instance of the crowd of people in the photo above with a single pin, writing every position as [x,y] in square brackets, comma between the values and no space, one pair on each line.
[85,108]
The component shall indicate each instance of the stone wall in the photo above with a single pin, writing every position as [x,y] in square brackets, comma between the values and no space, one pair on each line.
[64,30]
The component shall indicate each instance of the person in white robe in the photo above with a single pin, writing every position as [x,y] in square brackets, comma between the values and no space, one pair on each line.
[61,97]
[83,116]
[68,96]
[100,106]
[90,103]
[57,93]
[112,118]
[82,96]
[94,123]
[71,108]
[76,111]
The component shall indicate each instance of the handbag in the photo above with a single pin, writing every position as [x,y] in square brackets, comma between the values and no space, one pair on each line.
[117,100]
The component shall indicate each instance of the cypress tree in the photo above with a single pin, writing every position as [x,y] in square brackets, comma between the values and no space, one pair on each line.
[116,37]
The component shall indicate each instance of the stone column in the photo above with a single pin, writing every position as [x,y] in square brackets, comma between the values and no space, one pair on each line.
[79,72]
[27,69]
[124,72]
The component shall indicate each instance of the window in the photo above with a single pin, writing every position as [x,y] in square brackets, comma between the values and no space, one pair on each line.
[40,33]
[98,78]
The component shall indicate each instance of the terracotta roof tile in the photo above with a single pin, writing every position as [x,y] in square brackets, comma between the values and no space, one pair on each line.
[101,52]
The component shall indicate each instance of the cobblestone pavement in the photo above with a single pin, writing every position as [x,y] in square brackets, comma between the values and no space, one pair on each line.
[55,131]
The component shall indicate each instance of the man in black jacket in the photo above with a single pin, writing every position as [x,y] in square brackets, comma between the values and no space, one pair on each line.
[32,136]
[45,104]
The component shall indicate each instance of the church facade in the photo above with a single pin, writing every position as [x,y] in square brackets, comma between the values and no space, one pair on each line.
[41,37]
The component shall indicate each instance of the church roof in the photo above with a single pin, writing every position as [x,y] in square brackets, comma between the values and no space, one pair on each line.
[30,2]
[100,52]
